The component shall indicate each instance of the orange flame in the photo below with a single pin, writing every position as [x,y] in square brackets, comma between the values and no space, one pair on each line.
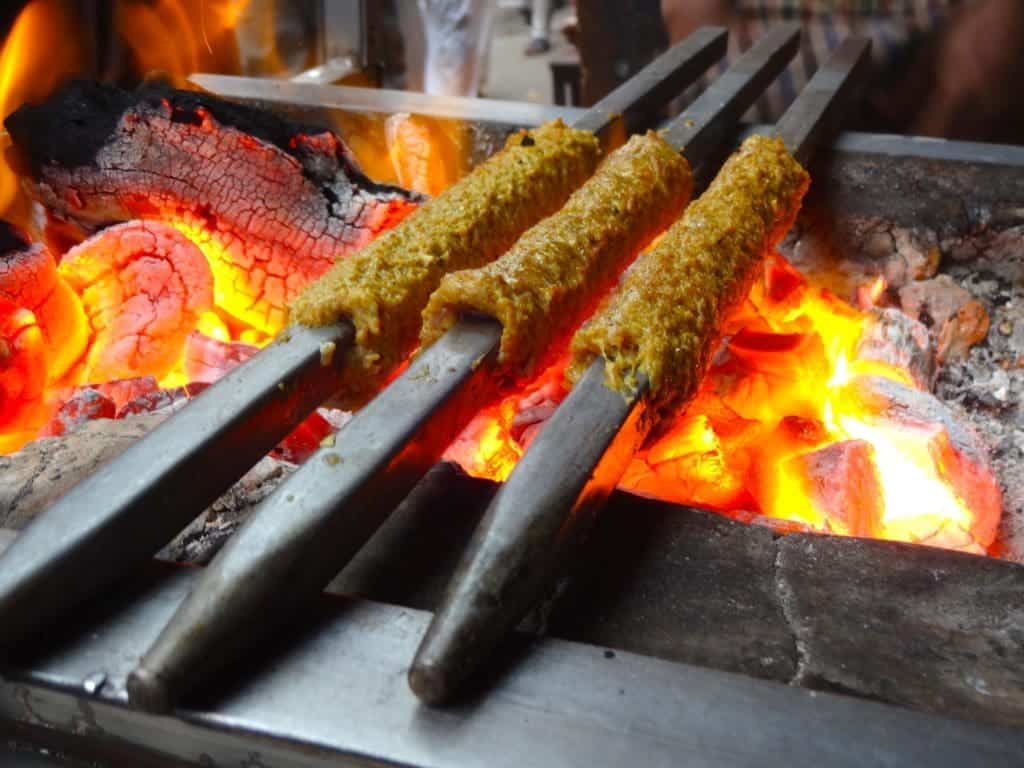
[427,153]
[779,428]
[176,38]
[42,49]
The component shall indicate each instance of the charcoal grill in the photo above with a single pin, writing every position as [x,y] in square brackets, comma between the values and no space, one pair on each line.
[337,691]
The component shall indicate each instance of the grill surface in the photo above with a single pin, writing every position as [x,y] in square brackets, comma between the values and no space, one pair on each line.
[339,697]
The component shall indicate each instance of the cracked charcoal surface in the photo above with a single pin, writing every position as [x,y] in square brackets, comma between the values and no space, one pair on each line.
[29,280]
[271,204]
[144,286]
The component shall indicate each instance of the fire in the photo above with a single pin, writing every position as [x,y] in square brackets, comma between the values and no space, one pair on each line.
[788,426]
[178,37]
[43,48]
[427,153]
[22,376]
[794,423]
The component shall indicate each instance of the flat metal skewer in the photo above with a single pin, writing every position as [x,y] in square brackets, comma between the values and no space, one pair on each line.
[533,525]
[121,515]
[326,511]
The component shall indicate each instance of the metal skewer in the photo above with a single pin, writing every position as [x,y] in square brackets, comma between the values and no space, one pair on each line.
[319,518]
[121,515]
[533,525]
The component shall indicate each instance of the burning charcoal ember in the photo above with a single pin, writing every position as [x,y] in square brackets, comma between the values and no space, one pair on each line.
[894,338]
[144,287]
[162,401]
[29,279]
[79,406]
[957,318]
[485,448]
[898,254]
[856,251]
[529,421]
[124,391]
[962,331]
[22,376]
[271,204]
[208,359]
[842,486]
[699,459]
[536,408]
[304,440]
[933,436]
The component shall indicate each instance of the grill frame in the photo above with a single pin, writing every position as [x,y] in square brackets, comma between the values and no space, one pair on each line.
[44,700]
[340,698]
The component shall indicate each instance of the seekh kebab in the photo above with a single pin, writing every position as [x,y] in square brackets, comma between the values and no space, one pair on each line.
[662,322]
[383,288]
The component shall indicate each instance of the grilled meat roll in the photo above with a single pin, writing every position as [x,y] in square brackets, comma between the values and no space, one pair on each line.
[556,272]
[384,287]
[663,320]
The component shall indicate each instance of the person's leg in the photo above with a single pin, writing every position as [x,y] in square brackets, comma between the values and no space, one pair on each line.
[540,28]
[457,34]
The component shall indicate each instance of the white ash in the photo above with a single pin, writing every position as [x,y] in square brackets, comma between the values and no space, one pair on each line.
[895,338]
[202,539]
[989,383]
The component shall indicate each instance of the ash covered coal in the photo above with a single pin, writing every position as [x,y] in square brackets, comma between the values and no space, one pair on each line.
[271,204]
[989,383]
[968,290]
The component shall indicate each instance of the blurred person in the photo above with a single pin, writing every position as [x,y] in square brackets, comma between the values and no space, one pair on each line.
[941,67]
[456,38]
[540,28]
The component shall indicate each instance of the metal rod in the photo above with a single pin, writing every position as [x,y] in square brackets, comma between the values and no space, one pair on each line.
[659,82]
[324,513]
[534,524]
[120,516]
[525,535]
[130,507]
[293,543]
[817,113]
[715,112]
